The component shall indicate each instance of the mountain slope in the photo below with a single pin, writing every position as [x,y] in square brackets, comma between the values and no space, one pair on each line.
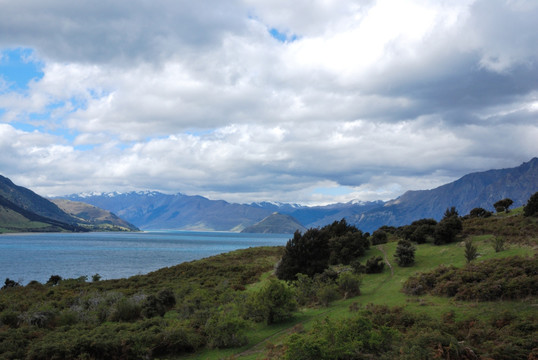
[480,189]
[30,201]
[94,217]
[13,218]
[276,224]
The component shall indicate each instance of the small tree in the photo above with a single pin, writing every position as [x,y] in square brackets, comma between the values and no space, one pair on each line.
[405,253]
[470,251]
[503,205]
[531,208]
[447,230]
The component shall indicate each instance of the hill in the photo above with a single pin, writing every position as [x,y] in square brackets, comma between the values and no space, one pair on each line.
[480,189]
[13,218]
[276,224]
[94,217]
[30,201]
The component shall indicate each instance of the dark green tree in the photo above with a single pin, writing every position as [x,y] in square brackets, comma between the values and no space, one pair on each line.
[503,205]
[531,208]
[307,254]
[479,213]
[448,228]
[311,253]
[405,253]
[379,237]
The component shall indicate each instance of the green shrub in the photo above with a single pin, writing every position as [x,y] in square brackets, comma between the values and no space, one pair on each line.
[531,208]
[349,284]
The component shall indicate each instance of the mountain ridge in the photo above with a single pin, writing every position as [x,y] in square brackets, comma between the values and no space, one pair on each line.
[154,210]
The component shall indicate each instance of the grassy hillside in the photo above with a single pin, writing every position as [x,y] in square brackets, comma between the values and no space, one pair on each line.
[216,308]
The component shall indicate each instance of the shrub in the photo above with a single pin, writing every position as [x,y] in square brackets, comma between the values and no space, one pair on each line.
[498,243]
[273,303]
[54,280]
[531,208]
[374,265]
[470,251]
[226,329]
[349,284]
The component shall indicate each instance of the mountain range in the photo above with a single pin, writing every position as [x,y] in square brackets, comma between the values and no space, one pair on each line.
[22,210]
[155,210]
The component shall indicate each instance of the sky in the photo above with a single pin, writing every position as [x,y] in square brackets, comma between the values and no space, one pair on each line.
[310,102]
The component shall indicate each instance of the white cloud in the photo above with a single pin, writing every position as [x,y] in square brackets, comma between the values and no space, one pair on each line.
[374,97]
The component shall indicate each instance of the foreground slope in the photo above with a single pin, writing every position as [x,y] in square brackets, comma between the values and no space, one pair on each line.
[201,310]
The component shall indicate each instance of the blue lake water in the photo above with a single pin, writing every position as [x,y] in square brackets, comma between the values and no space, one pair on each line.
[26,257]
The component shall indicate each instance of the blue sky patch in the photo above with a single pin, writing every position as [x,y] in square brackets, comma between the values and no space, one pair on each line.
[18,67]
[282,37]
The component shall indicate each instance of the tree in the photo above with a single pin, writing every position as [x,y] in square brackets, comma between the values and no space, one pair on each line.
[531,208]
[448,228]
[405,253]
[379,237]
[470,251]
[503,205]
[306,254]
[479,213]
[312,252]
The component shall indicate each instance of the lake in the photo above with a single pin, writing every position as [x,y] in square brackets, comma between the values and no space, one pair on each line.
[27,257]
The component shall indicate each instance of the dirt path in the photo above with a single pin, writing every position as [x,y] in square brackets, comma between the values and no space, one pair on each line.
[380,248]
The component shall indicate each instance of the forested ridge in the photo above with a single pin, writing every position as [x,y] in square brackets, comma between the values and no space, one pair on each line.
[463,287]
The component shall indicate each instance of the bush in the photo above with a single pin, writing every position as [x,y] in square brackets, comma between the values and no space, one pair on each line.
[405,253]
[349,284]
[531,208]
[498,243]
[226,329]
[374,265]
[470,251]
[273,303]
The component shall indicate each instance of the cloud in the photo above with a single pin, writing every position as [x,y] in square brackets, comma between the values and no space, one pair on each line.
[370,99]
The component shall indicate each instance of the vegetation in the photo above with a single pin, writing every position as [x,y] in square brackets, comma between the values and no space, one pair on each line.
[312,252]
[503,205]
[335,297]
[531,209]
